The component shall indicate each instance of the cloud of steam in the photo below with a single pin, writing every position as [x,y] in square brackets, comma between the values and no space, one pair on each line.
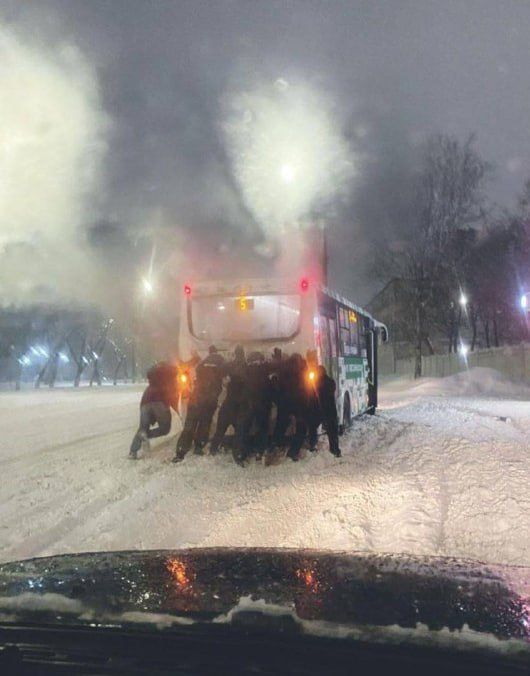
[289,156]
[51,147]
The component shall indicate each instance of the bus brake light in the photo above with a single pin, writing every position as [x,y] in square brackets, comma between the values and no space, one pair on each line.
[187,289]
[304,284]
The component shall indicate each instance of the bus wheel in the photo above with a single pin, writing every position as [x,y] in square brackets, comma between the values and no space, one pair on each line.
[346,416]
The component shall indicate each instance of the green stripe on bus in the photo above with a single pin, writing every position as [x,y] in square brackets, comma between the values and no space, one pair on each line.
[354,367]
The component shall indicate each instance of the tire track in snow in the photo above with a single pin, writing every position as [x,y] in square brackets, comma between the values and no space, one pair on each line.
[70,487]
[402,486]
[399,509]
[47,484]
[74,446]
[50,525]
[311,493]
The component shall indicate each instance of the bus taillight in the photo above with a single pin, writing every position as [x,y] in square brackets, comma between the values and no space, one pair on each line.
[304,284]
[187,289]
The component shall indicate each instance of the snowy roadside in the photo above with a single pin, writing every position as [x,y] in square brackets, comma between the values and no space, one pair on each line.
[443,469]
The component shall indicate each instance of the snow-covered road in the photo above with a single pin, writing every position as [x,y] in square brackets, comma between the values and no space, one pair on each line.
[443,469]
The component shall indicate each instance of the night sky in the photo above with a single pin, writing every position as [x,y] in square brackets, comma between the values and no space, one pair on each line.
[391,72]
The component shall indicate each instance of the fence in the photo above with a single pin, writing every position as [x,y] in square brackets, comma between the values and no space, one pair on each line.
[511,360]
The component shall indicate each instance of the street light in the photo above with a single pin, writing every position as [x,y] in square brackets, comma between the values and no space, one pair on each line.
[463,349]
[463,299]
[147,286]
[287,173]
[524,301]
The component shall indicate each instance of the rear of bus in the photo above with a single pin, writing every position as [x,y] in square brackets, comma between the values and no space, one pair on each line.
[259,314]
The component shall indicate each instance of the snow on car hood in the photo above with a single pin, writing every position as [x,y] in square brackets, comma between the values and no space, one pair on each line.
[351,595]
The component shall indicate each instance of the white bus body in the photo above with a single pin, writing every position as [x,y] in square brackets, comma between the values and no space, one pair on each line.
[296,316]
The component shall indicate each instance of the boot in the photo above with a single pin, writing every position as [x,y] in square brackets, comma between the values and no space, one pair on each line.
[239,457]
[198,448]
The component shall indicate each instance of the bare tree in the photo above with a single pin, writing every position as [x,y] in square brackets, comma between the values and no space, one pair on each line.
[120,357]
[449,201]
[97,351]
[15,336]
[88,351]
[494,282]
[48,372]
[79,356]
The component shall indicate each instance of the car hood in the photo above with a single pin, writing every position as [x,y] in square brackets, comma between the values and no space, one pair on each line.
[342,594]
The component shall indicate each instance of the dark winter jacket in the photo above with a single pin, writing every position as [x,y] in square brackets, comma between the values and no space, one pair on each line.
[293,391]
[235,370]
[257,386]
[209,378]
[162,379]
[326,394]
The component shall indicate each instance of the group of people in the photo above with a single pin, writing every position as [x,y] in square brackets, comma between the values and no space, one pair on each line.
[275,403]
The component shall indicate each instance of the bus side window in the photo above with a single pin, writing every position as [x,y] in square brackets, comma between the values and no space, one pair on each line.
[325,342]
[334,364]
[355,320]
[333,337]
[364,328]
[344,325]
[350,332]
[324,338]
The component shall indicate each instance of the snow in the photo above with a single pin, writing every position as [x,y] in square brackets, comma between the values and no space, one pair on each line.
[41,602]
[421,634]
[442,470]
[30,602]
[160,620]
[478,381]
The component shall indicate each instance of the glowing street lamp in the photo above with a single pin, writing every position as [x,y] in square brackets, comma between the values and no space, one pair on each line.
[463,299]
[524,302]
[464,350]
[147,286]
[287,173]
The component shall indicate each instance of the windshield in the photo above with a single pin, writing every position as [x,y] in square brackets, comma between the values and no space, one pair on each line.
[245,318]
[265,314]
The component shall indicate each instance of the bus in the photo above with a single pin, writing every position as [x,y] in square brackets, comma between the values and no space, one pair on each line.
[297,316]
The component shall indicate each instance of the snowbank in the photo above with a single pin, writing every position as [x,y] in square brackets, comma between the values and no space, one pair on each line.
[477,381]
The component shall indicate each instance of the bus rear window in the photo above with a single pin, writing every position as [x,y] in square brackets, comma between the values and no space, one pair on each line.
[244,318]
